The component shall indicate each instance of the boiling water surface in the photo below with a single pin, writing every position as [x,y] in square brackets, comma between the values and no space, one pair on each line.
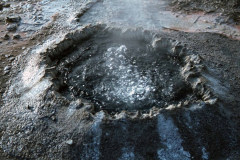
[122,76]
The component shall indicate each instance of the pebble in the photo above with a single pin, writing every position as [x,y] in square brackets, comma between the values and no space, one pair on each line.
[7,5]
[79,106]
[54,118]
[3,5]
[6,37]
[13,19]
[209,27]
[7,69]
[16,36]
[7,55]
[11,59]
[69,142]
[12,27]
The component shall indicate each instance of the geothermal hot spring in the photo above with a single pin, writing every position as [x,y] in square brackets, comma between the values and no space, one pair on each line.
[127,71]
[101,90]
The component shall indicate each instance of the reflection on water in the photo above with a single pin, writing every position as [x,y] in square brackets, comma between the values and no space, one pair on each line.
[120,76]
[124,83]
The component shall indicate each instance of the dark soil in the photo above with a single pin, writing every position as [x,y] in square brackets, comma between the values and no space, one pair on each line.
[222,61]
[229,8]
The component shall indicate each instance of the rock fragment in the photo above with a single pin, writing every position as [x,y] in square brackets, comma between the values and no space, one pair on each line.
[11,59]
[69,142]
[16,36]
[13,19]
[7,69]
[7,55]
[3,5]
[12,27]
[7,5]
[6,37]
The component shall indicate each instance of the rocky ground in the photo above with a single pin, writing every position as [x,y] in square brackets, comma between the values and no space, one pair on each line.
[230,9]
[90,79]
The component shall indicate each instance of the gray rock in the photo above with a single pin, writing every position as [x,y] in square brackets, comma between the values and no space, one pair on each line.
[1,7]
[6,37]
[12,19]
[12,27]
[69,142]
[7,5]
[16,36]
[7,69]
[11,59]
[7,55]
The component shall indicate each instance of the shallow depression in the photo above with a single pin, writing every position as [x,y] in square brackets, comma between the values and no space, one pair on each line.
[118,72]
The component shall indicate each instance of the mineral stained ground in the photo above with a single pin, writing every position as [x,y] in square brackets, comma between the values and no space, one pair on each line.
[124,80]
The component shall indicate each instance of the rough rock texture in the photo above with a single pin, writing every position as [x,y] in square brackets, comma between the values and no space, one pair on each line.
[231,8]
[48,121]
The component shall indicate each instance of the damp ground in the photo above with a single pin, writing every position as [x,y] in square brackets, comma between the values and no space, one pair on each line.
[80,90]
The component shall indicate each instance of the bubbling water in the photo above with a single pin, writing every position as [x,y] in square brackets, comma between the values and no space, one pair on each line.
[128,85]
[117,74]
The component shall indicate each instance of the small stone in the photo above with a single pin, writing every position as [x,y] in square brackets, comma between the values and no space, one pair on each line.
[6,37]
[88,107]
[12,27]
[53,118]
[209,27]
[32,38]
[30,108]
[69,142]
[16,36]
[79,106]
[11,59]
[211,101]
[7,55]
[13,19]
[7,5]
[7,69]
